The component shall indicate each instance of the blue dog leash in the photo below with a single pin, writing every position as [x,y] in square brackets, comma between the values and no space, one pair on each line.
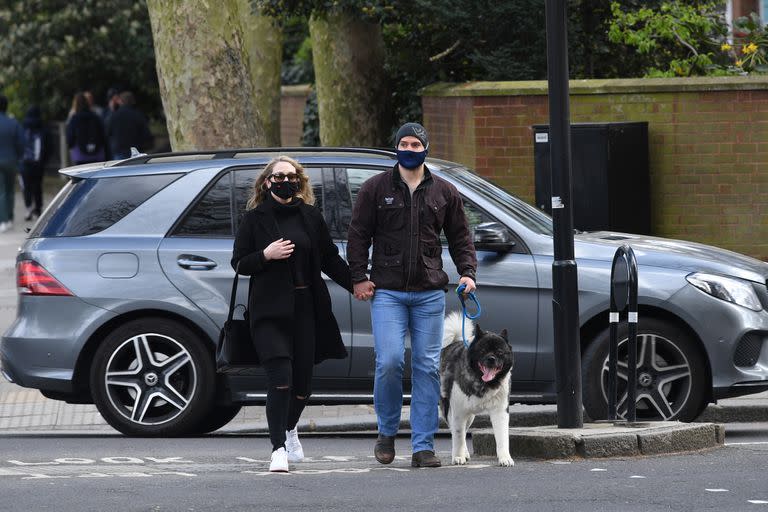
[464,313]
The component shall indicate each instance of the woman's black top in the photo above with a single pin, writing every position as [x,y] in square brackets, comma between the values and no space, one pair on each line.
[292,228]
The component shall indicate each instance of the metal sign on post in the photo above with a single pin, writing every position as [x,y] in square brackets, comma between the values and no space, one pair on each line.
[623,298]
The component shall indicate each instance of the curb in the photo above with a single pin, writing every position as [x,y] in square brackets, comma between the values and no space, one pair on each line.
[598,440]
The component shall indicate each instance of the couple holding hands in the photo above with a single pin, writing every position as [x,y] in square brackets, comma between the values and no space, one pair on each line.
[284,244]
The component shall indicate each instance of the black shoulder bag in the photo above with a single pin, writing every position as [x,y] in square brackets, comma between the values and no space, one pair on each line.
[235,352]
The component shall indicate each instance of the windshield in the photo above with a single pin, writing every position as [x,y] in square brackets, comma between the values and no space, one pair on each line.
[532,218]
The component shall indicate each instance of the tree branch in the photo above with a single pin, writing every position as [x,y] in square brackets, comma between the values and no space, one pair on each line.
[445,53]
[685,43]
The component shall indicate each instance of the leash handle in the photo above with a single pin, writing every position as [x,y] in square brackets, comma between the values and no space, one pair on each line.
[460,292]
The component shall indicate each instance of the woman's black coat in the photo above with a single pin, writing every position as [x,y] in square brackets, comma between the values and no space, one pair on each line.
[271,304]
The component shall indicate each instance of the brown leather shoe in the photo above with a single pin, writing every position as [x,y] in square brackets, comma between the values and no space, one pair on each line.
[384,451]
[425,459]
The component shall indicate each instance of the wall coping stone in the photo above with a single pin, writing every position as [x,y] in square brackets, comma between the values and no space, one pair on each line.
[295,90]
[606,86]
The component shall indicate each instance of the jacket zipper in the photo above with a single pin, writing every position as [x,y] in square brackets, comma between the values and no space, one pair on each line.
[410,238]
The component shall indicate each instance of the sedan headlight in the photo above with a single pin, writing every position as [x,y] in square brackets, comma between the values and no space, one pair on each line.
[727,288]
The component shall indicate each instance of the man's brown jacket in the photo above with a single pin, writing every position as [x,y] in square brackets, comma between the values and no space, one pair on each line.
[405,232]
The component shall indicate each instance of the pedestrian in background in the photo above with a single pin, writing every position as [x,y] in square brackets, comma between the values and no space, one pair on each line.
[402,213]
[85,133]
[128,128]
[11,150]
[36,151]
[113,104]
[284,244]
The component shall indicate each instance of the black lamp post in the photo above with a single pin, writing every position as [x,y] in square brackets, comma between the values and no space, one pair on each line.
[565,298]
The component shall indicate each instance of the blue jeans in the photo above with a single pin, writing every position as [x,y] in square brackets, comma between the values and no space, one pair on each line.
[393,313]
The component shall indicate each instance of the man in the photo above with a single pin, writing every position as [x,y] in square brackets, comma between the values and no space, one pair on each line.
[128,128]
[11,151]
[113,103]
[402,213]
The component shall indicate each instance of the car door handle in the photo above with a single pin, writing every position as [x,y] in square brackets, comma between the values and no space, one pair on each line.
[192,262]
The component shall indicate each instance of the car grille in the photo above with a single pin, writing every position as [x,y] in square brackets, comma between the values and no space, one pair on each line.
[748,350]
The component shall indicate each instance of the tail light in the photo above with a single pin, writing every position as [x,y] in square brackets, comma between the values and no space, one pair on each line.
[33,279]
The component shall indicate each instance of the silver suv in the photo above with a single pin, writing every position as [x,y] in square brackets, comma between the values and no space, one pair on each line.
[124,283]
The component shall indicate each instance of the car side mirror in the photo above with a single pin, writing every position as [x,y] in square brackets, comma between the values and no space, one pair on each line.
[492,236]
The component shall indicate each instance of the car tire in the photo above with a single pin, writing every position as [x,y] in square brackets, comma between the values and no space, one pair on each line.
[217,417]
[671,376]
[153,377]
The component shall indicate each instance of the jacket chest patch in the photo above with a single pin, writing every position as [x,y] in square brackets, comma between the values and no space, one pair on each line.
[389,200]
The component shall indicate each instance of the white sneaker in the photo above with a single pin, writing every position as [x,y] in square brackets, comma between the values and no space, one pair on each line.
[279,462]
[293,446]
[5,226]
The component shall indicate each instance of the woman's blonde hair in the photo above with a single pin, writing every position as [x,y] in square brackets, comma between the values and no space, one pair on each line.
[260,190]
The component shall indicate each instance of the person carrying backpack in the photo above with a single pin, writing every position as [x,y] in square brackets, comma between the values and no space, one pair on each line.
[85,133]
[36,151]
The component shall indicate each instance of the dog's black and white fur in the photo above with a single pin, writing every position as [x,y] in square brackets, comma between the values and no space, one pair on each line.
[475,380]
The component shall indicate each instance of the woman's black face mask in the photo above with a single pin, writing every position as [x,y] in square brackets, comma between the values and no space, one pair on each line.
[285,189]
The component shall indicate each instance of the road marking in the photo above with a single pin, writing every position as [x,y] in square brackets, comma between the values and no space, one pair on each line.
[758,502]
[637,476]
[716,490]
[131,466]
[746,444]
[598,469]
[109,460]
[127,474]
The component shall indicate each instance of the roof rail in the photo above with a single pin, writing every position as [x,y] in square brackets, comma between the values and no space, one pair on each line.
[236,153]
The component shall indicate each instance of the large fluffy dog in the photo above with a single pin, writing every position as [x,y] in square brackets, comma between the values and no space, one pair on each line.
[475,380]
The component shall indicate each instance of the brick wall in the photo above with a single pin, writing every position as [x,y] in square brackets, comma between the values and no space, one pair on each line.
[292,103]
[708,145]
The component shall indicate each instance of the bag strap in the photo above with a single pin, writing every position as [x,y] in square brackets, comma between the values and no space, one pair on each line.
[233,297]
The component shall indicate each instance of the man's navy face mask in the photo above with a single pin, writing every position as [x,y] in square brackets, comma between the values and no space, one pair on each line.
[411,159]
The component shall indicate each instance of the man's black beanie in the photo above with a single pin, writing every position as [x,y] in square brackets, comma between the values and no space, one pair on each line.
[414,130]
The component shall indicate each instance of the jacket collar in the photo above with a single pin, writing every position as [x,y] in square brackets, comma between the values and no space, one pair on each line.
[269,222]
[397,179]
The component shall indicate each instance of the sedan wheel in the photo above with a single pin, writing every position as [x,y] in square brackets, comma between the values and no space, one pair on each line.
[152,378]
[671,376]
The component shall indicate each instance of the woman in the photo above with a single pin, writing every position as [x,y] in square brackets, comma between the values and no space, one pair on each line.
[283,243]
[85,133]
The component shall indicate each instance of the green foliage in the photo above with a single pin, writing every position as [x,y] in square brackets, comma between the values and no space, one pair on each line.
[373,10]
[751,43]
[310,135]
[679,39]
[460,40]
[297,52]
[50,49]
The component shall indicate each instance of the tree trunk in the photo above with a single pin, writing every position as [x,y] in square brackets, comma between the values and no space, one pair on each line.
[264,47]
[202,66]
[348,56]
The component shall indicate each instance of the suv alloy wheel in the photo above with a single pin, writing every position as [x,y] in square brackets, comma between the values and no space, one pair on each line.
[151,377]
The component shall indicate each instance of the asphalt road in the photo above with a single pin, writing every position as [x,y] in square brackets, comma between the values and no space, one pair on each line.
[86,472]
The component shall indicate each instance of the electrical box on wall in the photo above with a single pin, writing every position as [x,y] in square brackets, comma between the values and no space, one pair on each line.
[610,180]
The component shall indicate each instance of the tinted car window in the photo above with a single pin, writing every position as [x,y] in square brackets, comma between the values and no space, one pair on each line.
[90,205]
[353,179]
[526,214]
[212,215]
[474,215]
[356,178]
